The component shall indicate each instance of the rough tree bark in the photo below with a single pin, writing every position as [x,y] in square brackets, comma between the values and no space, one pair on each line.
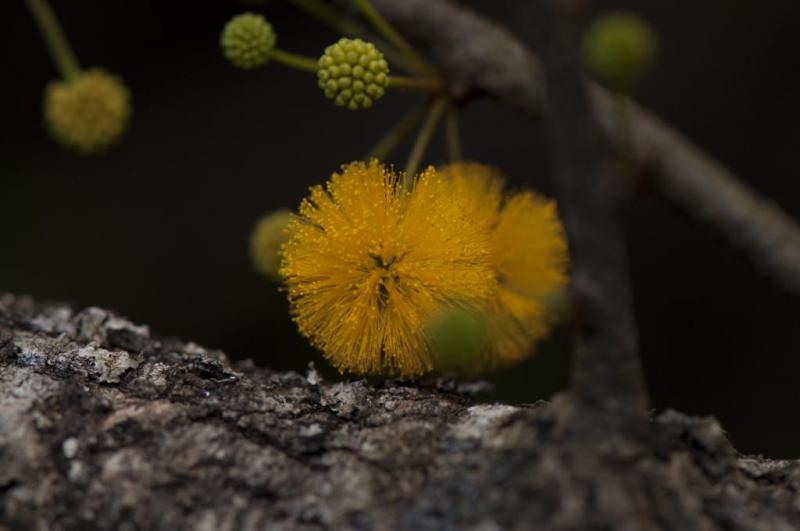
[104,425]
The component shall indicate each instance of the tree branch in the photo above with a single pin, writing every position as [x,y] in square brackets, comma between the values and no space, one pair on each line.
[476,56]
[106,426]
[711,194]
[607,376]
[480,58]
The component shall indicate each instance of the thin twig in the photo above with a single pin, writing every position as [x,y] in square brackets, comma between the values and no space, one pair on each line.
[341,23]
[423,139]
[393,36]
[56,40]
[426,84]
[399,132]
[452,134]
[294,60]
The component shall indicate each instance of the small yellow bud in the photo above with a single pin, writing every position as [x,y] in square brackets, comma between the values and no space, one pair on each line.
[353,73]
[619,48]
[90,113]
[266,240]
[248,40]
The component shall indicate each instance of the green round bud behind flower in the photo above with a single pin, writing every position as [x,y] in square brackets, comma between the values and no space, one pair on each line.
[619,48]
[248,40]
[457,339]
[353,73]
[266,240]
[89,113]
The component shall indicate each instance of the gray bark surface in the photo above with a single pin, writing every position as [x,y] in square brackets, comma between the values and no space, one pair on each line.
[104,425]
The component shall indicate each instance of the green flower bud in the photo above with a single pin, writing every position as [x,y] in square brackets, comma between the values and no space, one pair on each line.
[266,240]
[90,113]
[248,40]
[619,48]
[353,73]
[457,339]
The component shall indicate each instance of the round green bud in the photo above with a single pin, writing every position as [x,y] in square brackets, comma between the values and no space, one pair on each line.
[89,113]
[619,48]
[457,338]
[266,240]
[248,40]
[353,73]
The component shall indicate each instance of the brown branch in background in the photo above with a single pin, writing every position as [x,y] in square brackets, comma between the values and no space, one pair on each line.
[607,376]
[709,193]
[480,58]
[475,56]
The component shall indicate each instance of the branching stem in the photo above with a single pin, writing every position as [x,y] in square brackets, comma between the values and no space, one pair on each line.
[428,84]
[341,23]
[293,60]
[393,36]
[398,133]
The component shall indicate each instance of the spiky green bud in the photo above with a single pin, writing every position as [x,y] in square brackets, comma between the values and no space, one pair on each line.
[266,240]
[457,339]
[247,41]
[353,73]
[88,114]
[619,48]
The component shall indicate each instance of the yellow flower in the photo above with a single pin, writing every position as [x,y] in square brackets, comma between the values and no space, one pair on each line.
[366,265]
[265,242]
[529,255]
[88,114]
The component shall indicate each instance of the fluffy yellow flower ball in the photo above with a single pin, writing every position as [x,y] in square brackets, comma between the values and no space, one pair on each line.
[529,260]
[368,263]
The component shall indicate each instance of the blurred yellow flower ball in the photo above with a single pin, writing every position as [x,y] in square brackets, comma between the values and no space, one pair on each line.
[266,240]
[89,113]
[619,48]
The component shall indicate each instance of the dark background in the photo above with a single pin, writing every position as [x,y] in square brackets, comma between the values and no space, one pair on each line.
[157,228]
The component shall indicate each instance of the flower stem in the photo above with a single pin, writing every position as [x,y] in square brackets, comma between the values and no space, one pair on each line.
[53,34]
[400,131]
[329,15]
[435,112]
[452,135]
[293,60]
[391,34]
[339,22]
[428,84]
